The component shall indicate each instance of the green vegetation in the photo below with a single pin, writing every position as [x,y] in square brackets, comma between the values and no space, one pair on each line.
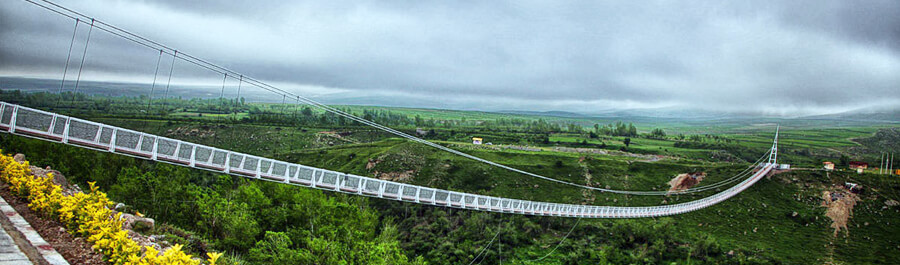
[260,222]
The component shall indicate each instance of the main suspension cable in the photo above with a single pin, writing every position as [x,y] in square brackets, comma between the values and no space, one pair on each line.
[100,25]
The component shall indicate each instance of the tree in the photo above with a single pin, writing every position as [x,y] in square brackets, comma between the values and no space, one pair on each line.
[621,129]
[627,141]
[275,248]
[845,160]
[658,133]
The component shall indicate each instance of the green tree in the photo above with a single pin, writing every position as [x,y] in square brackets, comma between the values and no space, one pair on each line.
[275,248]
[845,160]
[658,133]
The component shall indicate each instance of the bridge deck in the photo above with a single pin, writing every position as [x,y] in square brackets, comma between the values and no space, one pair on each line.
[53,127]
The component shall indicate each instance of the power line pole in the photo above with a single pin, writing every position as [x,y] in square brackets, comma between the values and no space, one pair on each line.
[881,163]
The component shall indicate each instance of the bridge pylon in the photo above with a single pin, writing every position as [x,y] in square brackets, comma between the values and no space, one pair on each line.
[773,153]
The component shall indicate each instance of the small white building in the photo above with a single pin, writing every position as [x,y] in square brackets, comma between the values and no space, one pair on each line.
[784,166]
[476,140]
[828,166]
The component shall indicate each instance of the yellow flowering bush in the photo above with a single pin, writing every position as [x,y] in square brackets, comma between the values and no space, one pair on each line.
[87,215]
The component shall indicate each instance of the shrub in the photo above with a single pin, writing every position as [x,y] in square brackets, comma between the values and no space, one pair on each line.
[86,215]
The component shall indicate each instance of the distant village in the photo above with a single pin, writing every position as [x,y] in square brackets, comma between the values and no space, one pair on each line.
[861,167]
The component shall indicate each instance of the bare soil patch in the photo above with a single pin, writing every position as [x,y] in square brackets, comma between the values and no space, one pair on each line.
[685,181]
[840,208]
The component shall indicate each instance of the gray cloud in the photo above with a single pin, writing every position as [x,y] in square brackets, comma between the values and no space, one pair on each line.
[776,57]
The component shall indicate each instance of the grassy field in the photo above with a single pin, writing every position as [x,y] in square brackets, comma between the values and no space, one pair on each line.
[780,220]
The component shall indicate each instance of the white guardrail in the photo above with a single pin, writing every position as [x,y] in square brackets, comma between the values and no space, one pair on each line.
[53,127]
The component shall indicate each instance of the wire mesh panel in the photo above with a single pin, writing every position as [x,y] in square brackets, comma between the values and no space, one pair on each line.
[505,204]
[328,179]
[391,190]
[441,196]
[185,151]
[292,170]
[147,143]
[127,139]
[250,164]
[469,200]
[304,176]
[106,134]
[235,160]
[350,183]
[264,165]
[409,192]
[279,169]
[482,202]
[495,204]
[59,127]
[166,147]
[456,199]
[83,131]
[203,154]
[267,168]
[371,186]
[6,116]
[33,120]
[219,158]
[425,194]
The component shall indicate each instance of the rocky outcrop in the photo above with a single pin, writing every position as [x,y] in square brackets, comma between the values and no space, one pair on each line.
[58,177]
[137,223]
[685,181]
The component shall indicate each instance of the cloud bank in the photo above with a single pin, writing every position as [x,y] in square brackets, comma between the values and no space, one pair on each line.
[773,57]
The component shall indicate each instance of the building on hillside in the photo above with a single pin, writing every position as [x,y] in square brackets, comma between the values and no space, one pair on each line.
[476,140]
[858,164]
[784,166]
[897,172]
[860,170]
[829,166]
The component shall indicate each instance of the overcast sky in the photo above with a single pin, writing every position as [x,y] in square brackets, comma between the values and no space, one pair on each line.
[774,57]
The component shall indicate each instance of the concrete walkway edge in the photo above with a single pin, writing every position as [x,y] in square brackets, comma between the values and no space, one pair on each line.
[48,253]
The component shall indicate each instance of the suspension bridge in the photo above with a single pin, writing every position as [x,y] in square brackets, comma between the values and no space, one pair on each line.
[58,128]
[55,127]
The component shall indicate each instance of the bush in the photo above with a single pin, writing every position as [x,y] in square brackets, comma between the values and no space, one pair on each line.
[86,215]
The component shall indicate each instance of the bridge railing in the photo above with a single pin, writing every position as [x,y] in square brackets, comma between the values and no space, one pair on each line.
[54,127]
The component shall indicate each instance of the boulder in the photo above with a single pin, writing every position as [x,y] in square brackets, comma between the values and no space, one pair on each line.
[19,158]
[136,223]
[58,177]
